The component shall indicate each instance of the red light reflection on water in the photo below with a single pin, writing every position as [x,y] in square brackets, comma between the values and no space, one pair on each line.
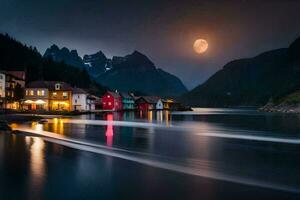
[109,130]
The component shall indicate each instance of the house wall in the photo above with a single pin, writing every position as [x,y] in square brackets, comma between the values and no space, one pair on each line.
[145,106]
[11,101]
[159,105]
[2,90]
[79,102]
[2,85]
[59,102]
[35,94]
[128,104]
[109,102]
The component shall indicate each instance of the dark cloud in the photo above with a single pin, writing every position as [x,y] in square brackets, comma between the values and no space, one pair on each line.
[164,30]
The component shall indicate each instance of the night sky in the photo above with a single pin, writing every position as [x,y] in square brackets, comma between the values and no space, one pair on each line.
[163,30]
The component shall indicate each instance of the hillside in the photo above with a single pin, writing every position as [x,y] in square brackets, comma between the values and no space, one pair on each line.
[16,56]
[135,72]
[251,81]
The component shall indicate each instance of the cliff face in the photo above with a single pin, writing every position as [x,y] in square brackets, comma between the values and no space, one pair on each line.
[251,81]
[136,73]
[64,55]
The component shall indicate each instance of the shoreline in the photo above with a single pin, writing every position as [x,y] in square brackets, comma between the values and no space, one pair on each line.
[281,108]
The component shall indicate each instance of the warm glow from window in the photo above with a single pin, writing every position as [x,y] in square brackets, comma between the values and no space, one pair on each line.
[31,92]
[54,93]
[41,92]
[65,94]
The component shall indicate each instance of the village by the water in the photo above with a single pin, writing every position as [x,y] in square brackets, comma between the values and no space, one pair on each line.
[56,96]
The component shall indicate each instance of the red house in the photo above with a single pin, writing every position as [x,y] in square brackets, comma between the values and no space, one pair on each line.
[147,102]
[112,101]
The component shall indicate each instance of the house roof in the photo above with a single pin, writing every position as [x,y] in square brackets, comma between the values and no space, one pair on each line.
[114,94]
[126,95]
[151,99]
[63,85]
[79,91]
[49,85]
[37,84]
[17,74]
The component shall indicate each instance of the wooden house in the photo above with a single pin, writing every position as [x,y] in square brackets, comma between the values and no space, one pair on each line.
[112,101]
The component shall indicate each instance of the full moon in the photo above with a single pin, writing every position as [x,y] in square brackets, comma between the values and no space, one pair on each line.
[200,46]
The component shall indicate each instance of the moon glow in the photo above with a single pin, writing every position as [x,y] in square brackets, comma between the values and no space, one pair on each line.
[200,46]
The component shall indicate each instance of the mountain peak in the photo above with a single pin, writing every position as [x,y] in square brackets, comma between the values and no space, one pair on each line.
[65,55]
[138,59]
[54,47]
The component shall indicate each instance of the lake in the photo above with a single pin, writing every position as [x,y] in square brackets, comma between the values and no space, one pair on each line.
[201,154]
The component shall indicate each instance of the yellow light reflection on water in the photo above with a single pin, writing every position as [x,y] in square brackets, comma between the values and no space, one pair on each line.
[58,125]
[37,162]
[150,116]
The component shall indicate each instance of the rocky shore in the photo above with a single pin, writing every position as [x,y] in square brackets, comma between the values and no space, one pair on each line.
[282,108]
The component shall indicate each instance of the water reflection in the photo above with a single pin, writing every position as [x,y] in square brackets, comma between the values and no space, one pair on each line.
[58,126]
[37,162]
[109,130]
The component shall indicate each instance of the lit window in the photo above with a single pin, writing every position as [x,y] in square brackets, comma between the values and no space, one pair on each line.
[31,92]
[109,103]
[57,86]
[41,92]
[65,94]
[54,94]
[26,92]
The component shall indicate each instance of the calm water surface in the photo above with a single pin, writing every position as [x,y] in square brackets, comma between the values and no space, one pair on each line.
[205,154]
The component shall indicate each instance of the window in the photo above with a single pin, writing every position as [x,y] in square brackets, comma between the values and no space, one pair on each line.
[41,92]
[57,86]
[75,100]
[1,76]
[65,94]
[26,92]
[31,92]
[109,103]
[54,94]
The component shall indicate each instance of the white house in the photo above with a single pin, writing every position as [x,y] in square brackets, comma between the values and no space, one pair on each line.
[159,105]
[82,101]
[2,89]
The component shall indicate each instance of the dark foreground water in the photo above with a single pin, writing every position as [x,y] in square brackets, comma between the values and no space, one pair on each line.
[207,154]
